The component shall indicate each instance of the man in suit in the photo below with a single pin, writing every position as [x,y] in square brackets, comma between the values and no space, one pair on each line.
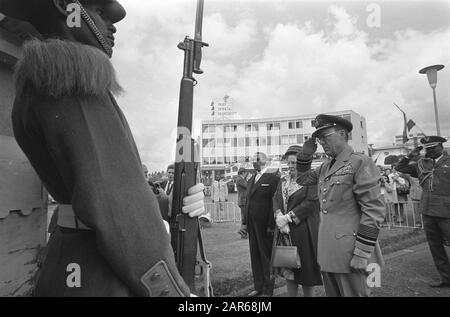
[241,184]
[219,195]
[433,172]
[351,208]
[167,185]
[260,223]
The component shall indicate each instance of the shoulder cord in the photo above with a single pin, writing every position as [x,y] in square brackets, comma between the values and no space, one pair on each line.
[426,173]
[91,24]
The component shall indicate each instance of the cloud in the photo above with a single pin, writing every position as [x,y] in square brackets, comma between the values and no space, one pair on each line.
[275,69]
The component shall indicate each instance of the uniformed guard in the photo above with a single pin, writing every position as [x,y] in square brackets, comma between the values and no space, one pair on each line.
[433,172]
[351,208]
[110,239]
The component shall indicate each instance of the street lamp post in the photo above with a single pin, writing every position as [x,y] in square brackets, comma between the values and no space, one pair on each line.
[431,72]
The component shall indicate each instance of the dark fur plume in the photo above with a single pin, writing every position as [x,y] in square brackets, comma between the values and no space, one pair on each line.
[61,68]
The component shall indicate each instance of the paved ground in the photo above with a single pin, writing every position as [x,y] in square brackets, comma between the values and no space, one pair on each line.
[406,274]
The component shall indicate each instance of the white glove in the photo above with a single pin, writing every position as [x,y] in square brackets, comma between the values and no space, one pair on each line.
[166,224]
[193,203]
[282,220]
[285,229]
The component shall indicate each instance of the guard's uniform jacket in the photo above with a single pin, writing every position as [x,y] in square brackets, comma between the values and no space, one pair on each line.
[76,137]
[435,182]
[351,210]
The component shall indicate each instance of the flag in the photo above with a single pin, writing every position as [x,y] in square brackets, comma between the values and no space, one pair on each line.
[410,125]
[405,129]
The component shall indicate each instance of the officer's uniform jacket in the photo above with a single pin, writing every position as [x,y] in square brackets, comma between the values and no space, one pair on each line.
[219,191]
[69,125]
[435,182]
[351,210]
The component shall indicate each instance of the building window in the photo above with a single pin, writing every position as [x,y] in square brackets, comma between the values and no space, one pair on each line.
[241,142]
[227,128]
[291,125]
[220,160]
[262,141]
[292,139]
[299,125]
[284,140]
[234,128]
[247,141]
[276,140]
[213,160]
[269,140]
[248,128]
[313,123]
[235,142]
[273,126]
[362,126]
[300,139]
[206,161]
[205,142]
[219,141]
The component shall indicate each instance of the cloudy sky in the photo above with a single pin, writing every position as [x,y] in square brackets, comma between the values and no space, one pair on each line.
[281,58]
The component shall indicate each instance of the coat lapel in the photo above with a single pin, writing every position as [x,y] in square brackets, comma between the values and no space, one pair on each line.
[255,185]
[442,161]
[340,161]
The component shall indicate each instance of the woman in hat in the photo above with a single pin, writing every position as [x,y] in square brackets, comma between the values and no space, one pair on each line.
[297,215]
[67,122]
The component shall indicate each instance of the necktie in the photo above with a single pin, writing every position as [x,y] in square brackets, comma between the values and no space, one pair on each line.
[169,188]
[332,163]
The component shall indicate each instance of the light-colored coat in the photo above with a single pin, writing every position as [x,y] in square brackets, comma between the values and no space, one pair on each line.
[352,210]
[219,191]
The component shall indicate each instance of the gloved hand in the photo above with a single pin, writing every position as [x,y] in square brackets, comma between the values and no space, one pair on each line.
[193,203]
[309,147]
[285,229]
[166,224]
[282,220]
[415,152]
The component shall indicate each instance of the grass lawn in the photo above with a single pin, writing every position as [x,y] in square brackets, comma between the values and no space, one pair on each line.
[231,273]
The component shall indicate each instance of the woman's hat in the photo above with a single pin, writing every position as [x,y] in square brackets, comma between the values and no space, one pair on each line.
[293,150]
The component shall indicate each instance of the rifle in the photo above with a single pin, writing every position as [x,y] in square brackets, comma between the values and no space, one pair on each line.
[185,231]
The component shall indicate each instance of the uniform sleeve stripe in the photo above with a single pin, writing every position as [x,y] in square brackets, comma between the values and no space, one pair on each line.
[366,242]
[362,236]
[368,231]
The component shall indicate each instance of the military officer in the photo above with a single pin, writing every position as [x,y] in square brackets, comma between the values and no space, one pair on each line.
[110,233]
[433,172]
[351,208]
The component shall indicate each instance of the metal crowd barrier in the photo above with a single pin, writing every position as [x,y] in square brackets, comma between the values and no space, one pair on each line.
[403,215]
[224,211]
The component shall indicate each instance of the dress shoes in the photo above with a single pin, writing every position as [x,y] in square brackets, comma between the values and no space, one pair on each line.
[440,285]
[254,294]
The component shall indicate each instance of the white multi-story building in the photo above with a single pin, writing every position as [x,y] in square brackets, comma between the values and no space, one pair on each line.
[232,142]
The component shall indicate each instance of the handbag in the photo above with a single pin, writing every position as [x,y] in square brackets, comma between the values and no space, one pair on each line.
[403,189]
[285,256]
